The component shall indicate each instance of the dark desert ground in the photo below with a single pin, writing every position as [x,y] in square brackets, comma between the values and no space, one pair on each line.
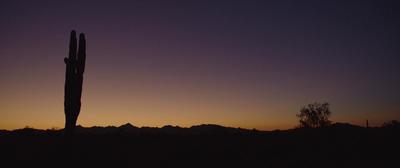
[340,145]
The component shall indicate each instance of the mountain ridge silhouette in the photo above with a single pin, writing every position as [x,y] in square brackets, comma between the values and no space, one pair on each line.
[170,129]
[208,144]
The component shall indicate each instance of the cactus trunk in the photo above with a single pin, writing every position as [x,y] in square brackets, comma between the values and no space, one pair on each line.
[75,66]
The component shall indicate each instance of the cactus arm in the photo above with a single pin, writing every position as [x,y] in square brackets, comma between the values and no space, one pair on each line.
[72,46]
[81,54]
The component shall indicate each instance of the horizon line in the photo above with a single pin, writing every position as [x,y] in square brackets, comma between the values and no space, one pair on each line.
[145,126]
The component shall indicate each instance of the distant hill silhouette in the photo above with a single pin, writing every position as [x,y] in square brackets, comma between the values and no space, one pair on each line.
[339,145]
[131,129]
[205,129]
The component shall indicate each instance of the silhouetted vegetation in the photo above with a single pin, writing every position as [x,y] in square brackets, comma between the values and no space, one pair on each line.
[75,66]
[392,124]
[314,115]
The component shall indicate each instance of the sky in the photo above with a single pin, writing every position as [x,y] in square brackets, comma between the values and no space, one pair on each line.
[248,64]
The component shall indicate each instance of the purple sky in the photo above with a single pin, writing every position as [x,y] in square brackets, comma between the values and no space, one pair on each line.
[234,63]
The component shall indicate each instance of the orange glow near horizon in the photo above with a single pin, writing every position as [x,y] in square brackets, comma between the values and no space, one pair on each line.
[152,103]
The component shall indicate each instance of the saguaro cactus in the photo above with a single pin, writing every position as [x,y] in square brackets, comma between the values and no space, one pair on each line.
[75,66]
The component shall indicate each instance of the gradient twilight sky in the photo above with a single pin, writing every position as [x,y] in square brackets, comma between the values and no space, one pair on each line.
[249,64]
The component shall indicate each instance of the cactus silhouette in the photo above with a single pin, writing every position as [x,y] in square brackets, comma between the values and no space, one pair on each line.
[75,66]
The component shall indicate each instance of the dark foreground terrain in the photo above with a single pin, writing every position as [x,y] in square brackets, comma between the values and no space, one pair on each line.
[340,145]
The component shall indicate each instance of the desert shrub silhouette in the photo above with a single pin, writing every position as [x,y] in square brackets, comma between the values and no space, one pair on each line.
[391,124]
[314,115]
[75,66]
